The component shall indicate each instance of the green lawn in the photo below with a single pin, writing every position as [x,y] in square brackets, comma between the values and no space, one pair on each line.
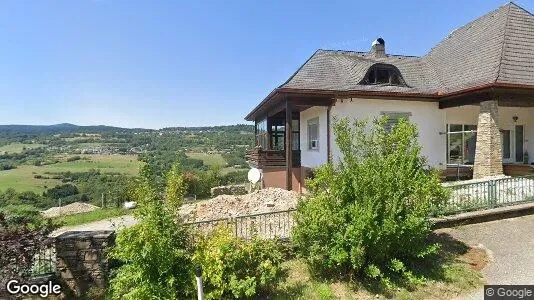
[457,276]
[18,147]
[22,178]
[208,159]
[95,215]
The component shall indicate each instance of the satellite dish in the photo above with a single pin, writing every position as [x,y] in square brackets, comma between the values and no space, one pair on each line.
[254,175]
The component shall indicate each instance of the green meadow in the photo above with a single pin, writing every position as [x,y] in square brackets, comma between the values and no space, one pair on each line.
[18,147]
[23,177]
[208,159]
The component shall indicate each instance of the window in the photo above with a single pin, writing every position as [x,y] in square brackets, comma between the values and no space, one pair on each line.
[278,134]
[383,74]
[313,134]
[519,143]
[394,118]
[295,134]
[461,144]
[278,137]
[262,136]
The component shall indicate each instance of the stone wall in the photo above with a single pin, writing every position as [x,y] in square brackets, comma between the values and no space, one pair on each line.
[488,154]
[82,262]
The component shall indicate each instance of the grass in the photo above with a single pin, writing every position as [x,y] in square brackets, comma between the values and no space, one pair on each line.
[18,147]
[455,272]
[208,159]
[22,178]
[95,215]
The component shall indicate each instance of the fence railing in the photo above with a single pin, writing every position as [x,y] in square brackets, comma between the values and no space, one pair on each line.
[464,197]
[490,193]
[44,261]
[266,225]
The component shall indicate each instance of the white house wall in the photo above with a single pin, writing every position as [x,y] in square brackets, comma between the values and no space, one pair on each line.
[313,158]
[427,116]
[431,121]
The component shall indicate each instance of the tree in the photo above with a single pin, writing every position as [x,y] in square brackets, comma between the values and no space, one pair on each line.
[368,215]
[156,261]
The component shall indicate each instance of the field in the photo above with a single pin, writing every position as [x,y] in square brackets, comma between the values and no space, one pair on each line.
[23,177]
[18,147]
[208,159]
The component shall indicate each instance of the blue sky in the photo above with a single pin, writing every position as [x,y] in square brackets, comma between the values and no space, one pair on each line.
[162,63]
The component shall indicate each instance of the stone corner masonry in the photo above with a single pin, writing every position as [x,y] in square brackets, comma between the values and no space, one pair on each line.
[81,260]
[488,153]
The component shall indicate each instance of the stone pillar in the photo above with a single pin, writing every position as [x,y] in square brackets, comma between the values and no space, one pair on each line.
[81,261]
[488,154]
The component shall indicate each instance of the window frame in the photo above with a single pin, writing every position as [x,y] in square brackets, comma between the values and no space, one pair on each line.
[398,115]
[309,123]
[465,130]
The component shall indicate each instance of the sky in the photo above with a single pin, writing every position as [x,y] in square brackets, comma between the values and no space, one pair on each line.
[157,63]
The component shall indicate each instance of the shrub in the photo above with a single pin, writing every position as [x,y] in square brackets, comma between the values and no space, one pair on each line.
[73,158]
[15,215]
[61,191]
[19,243]
[154,253]
[369,214]
[236,268]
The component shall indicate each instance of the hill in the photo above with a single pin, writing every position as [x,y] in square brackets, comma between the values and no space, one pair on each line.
[63,128]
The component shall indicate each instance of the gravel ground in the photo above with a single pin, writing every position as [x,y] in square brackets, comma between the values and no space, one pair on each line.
[510,243]
[70,209]
[115,223]
[225,206]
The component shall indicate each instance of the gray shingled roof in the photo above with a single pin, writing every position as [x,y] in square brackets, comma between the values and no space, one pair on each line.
[497,47]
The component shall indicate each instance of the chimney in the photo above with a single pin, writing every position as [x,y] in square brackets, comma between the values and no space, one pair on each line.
[378,48]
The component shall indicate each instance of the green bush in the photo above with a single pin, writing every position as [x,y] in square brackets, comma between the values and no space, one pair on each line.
[236,268]
[368,215]
[21,214]
[154,253]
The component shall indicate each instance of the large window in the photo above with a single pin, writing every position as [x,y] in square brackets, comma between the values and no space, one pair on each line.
[461,143]
[313,134]
[278,134]
[262,136]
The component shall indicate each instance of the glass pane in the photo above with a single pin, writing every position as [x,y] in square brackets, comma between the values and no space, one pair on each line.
[382,76]
[470,139]
[455,128]
[470,127]
[313,136]
[505,144]
[519,154]
[455,148]
[278,140]
[295,125]
[295,140]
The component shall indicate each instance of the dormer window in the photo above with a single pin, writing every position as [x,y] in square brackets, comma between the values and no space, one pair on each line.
[383,74]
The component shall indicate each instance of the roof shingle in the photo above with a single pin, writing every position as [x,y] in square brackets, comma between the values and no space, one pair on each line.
[497,47]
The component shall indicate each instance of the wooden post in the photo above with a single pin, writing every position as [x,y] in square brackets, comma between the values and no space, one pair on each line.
[288,146]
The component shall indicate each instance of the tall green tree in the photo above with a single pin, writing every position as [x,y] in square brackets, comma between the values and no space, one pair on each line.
[368,215]
[156,261]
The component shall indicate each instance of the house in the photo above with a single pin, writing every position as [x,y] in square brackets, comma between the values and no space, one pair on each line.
[472,97]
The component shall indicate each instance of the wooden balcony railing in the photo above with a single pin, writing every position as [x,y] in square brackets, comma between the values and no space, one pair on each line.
[270,158]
